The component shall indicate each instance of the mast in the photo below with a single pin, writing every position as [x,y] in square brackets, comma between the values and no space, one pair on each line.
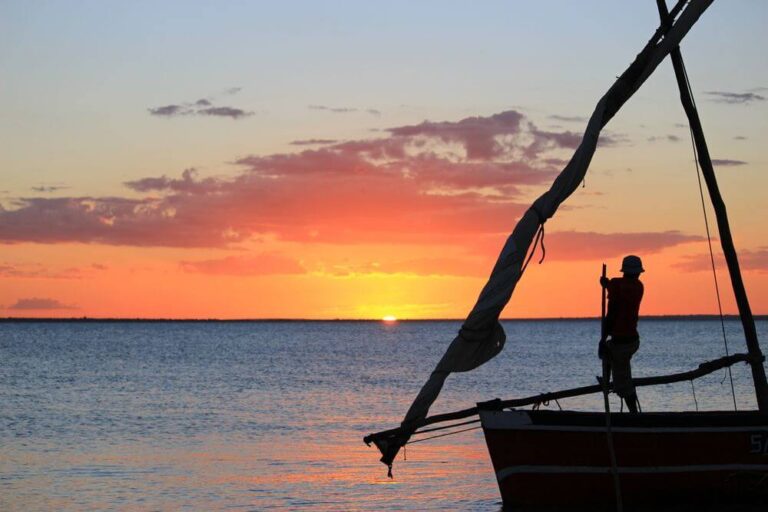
[726,241]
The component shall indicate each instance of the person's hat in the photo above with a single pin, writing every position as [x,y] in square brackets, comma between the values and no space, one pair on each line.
[632,265]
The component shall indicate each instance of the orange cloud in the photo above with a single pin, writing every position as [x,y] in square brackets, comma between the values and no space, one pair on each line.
[258,265]
[574,245]
[748,260]
[37,303]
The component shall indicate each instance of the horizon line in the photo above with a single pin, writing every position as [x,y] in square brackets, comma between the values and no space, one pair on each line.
[692,316]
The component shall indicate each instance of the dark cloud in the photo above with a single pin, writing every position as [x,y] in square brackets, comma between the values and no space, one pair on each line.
[335,110]
[313,142]
[735,98]
[234,113]
[36,303]
[569,119]
[169,111]
[48,188]
[727,163]
[740,137]
[344,110]
[187,184]
[202,107]
[666,138]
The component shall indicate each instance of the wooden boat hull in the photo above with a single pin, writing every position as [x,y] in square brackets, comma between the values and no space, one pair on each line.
[561,458]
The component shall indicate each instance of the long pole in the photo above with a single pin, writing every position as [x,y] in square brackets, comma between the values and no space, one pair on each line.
[726,240]
[606,402]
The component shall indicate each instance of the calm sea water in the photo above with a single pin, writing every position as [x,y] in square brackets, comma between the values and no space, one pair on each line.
[260,416]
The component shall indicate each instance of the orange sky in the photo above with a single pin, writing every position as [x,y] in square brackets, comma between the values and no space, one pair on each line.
[173,198]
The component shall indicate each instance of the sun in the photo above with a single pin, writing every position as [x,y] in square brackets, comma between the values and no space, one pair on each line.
[389,318]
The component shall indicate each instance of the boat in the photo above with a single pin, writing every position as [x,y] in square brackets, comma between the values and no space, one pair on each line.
[605,460]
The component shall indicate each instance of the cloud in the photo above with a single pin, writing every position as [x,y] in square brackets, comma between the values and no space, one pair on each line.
[257,265]
[36,303]
[344,110]
[560,246]
[428,266]
[739,137]
[667,138]
[433,182]
[756,261]
[575,245]
[313,142]
[727,162]
[48,188]
[202,107]
[37,271]
[234,113]
[169,111]
[735,98]
[569,119]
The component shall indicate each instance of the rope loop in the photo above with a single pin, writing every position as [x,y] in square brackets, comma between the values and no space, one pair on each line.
[538,240]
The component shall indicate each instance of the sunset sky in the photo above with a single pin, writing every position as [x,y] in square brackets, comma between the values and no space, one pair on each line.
[362,159]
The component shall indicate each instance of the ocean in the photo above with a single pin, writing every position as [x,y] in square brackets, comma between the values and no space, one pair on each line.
[271,415]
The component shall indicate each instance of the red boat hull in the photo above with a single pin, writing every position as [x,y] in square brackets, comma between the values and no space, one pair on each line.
[561,458]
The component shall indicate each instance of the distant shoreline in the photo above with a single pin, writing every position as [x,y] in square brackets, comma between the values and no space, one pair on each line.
[292,320]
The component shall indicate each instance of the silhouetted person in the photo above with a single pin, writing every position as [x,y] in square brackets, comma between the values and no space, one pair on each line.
[624,297]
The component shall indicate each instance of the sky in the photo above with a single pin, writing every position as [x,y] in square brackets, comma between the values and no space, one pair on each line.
[344,159]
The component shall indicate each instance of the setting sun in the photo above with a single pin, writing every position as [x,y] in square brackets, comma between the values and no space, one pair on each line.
[389,318]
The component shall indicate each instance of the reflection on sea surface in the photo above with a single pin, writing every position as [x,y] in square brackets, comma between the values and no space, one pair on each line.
[259,416]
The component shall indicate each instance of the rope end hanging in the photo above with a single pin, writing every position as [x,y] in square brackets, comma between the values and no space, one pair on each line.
[538,240]
[543,249]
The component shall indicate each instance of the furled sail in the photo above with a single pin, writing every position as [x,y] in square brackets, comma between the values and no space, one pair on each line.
[482,337]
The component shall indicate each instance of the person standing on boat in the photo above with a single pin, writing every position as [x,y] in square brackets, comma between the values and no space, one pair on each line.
[624,297]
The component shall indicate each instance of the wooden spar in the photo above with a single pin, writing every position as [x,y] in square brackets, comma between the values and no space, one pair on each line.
[726,241]
[703,369]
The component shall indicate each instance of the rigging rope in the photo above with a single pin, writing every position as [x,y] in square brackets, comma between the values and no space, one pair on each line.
[539,238]
[443,435]
[453,425]
[693,390]
[709,240]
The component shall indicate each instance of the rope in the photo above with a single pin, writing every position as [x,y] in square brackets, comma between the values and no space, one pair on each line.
[443,435]
[709,241]
[539,239]
[693,390]
[446,426]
